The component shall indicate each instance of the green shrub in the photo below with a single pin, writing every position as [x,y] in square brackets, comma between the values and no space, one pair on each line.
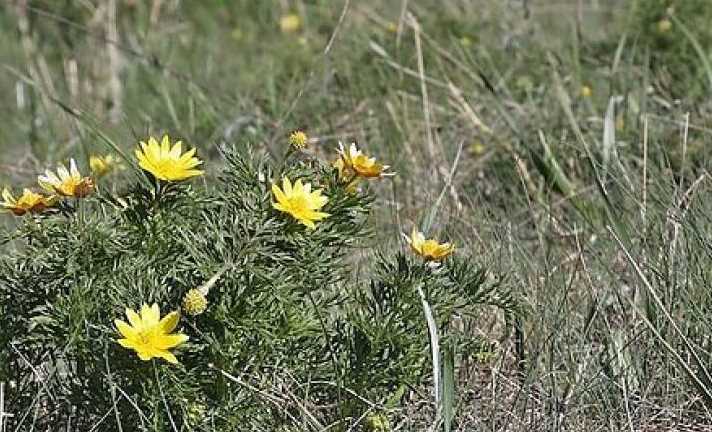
[285,321]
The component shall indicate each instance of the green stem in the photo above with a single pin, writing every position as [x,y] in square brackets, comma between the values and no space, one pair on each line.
[163,396]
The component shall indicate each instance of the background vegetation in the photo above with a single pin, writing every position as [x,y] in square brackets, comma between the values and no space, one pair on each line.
[560,144]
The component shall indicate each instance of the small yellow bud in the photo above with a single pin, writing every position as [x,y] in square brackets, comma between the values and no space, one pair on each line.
[586,91]
[298,139]
[465,41]
[477,148]
[102,165]
[290,23]
[391,27]
[194,302]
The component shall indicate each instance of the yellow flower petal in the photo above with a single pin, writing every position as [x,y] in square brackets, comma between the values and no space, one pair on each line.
[150,316]
[167,356]
[127,343]
[170,321]
[126,330]
[165,145]
[176,150]
[134,318]
[170,341]
[278,194]
[287,186]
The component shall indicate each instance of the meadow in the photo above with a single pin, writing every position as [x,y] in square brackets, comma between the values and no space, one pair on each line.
[555,152]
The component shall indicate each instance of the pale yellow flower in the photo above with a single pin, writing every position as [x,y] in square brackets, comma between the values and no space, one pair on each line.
[298,139]
[68,183]
[102,165]
[149,335]
[300,202]
[429,249]
[362,165]
[290,23]
[28,202]
[167,162]
[195,302]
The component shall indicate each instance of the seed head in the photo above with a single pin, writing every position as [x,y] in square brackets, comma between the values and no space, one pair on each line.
[194,302]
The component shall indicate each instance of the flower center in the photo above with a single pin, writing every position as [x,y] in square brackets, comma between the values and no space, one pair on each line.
[298,203]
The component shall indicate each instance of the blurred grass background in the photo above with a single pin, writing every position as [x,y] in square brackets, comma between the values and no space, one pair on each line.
[544,130]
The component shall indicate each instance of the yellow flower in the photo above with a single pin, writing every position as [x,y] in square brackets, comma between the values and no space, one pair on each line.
[102,165]
[300,202]
[290,23]
[149,335]
[346,176]
[28,202]
[166,162]
[194,302]
[298,139]
[67,183]
[429,249]
[361,164]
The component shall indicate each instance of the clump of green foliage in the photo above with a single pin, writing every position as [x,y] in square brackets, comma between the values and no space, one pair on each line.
[289,338]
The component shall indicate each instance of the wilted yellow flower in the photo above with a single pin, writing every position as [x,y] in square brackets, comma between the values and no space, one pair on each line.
[67,183]
[346,176]
[194,302]
[361,164]
[586,91]
[300,202]
[429,249]
[298,139]
[102,165]
[28,202]
[290,23]
[166,162]
[149,335]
